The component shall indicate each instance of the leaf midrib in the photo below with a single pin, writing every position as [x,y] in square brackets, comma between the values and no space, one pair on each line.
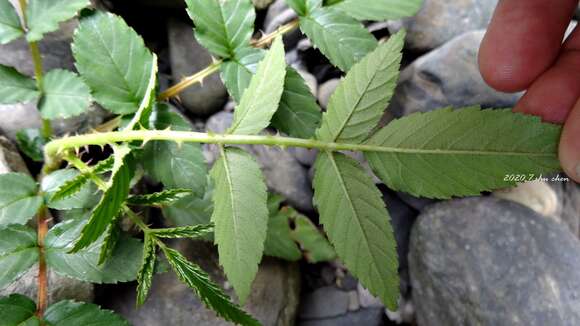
[231,195]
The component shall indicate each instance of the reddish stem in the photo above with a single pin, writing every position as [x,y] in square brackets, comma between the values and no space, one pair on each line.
[42,228]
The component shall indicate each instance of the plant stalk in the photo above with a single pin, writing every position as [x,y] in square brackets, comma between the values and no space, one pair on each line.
[57,147]
[214,67]
[42,294]
[46,129]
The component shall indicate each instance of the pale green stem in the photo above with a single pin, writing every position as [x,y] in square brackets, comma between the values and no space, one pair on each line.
[38,70]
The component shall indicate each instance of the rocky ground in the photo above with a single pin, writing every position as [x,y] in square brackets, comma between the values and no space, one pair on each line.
[507,258]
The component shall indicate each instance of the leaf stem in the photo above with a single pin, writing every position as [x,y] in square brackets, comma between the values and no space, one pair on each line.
[42,294]
[38,70]
[214,67]
[59,146]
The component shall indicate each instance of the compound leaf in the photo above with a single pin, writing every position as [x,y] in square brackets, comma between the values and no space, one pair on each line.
[192,231]
[45,15]
[379,10]
[16,87]
[342,39]
[84,265]
[223,26]
[211,295]
[304,7]
[70,313]
[145,274]
[17,309]
[10,28]
[65,95]
[354,216]
[18,199]
[298,115]
[358,103]
[237,72]
[240,217]
[18,252]
[159,199]
[447,152]
[111,202]
[113,61]
[260,101]
[85,197]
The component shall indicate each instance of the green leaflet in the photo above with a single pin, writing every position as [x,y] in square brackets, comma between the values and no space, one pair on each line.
[193,231]
[112,236]
[240,217]
[177,166]
[111,202]
[113,61]
[447,153]
[355,218]
[17,309]
[298,115]
[159,199]
[70,313]
[45,15]
[279,242]
[260,101]
[85,197]
[71,186]
[83,265]
[358,103]
[18,199]
[65,95]
[145,275]
[342,39]
[31,142]
[18,252]
[315,246]
[192,209]
[146,107]
[304,7]
[10,28]
[379,9]
[224,26]
[237,72]
[14,86]
[211,295]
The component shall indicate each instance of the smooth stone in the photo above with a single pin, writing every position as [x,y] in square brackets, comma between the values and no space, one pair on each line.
[366,317]
[273,301]
[326,90]
[284,174]
[187,57]
[305,156]
[447,76]
[324,302]
[277,15]
[440,21]
[536,195]
[487,261]
[418,203]
[366,299]
[10,159]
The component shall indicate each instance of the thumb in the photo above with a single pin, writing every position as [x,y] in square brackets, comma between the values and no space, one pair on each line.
[570,144]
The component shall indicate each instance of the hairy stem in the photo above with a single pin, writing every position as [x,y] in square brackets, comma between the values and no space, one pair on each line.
[38,70]
[55,148]
[214,67]
[42,294]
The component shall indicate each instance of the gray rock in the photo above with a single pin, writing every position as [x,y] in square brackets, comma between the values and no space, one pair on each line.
[568,211]
[188,57]
[366,317]
[324,302]
[440,21]
[366,299]
[59,287]
[274,298]
[326,90]
[284,174]
[487,261]
[448,76]
[417,203]
[279,14]
[10,159]
[305,156]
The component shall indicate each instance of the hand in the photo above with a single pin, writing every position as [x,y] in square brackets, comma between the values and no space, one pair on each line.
[523,50]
